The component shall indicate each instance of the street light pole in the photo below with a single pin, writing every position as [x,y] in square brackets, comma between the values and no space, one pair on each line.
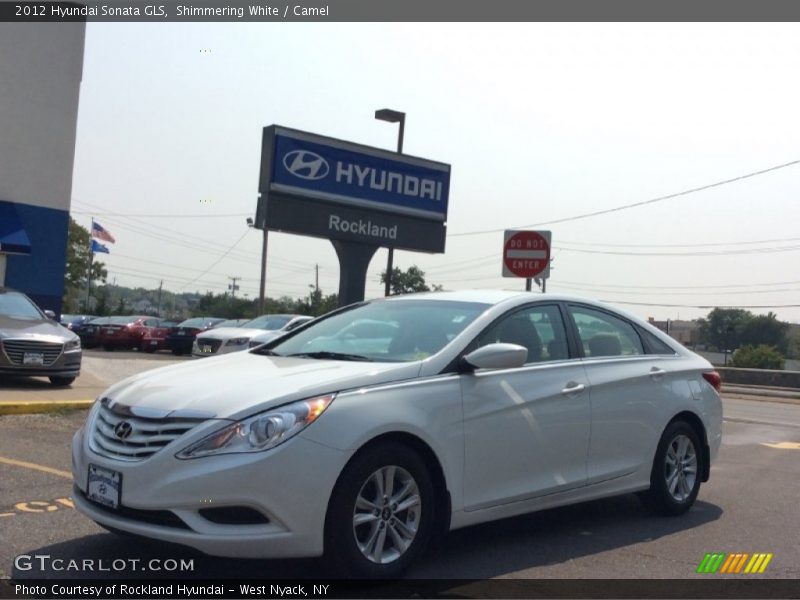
[392,116]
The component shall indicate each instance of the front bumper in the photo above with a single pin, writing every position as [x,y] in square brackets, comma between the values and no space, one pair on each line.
[290,485]
[66,365]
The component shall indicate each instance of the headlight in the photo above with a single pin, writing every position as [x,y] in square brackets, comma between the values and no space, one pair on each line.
[73,344]
[254,344]
[262,431]
[240,341]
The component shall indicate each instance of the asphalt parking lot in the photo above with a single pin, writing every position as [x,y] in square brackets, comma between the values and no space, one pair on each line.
[749,505]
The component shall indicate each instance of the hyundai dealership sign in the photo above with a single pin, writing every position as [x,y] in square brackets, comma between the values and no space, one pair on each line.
[331,188]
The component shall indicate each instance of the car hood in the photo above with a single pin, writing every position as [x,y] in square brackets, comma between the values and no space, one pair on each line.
[226,333]
[13,327]
[236,385]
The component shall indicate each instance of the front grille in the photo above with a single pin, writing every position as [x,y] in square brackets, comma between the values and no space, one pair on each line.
[165,518]
[215,344]
[141,440]
[15,350]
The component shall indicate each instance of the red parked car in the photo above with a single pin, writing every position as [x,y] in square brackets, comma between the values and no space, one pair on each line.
[125,332]
[155,338]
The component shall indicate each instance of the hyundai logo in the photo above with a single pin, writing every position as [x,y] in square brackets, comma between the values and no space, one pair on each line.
[305,164]
[123,430]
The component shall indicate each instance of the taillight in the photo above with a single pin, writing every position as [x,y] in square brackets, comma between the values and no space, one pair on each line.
[714,379]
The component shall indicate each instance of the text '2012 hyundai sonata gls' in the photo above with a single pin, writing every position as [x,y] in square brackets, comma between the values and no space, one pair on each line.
[450,409]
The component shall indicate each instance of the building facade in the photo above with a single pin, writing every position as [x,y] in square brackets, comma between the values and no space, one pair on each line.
[41,66]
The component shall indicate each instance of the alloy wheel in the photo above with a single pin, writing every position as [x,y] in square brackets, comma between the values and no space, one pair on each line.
[680,468]
[386,515]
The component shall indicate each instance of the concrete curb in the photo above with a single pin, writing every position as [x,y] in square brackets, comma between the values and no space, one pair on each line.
[27,407]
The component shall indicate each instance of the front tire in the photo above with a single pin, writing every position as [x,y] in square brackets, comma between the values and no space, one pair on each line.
[677,467]
[381,514]
[61,381]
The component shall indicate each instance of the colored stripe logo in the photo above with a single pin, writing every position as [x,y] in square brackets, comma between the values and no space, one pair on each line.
[735,563]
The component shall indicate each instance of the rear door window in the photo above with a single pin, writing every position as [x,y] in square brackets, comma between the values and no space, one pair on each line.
[603,334]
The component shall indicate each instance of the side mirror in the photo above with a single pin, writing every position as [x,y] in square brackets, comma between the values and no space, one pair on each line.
[497,356]
[50,314]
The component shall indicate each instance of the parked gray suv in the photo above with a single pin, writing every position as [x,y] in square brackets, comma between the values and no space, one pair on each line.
[33,344]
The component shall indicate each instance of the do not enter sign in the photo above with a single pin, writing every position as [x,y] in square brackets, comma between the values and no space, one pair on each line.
[526,254]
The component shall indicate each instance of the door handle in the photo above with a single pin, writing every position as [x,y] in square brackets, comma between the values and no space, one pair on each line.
[573,388]
[657,373]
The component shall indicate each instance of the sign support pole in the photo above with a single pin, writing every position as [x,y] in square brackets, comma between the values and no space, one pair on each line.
[527,284]
[354,258]
[263,272]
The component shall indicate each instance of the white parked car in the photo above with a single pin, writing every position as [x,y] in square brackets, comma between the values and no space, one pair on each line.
[221,340]
[268,336]
[466,407]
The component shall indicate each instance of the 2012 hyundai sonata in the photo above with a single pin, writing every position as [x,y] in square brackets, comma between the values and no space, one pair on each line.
[451,409]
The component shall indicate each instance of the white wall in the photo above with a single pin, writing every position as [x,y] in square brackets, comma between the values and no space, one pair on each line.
[41,64]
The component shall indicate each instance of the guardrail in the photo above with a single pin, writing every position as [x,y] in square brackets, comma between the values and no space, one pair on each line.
[760,377]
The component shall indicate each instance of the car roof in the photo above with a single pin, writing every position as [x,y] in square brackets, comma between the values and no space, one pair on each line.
[512,297]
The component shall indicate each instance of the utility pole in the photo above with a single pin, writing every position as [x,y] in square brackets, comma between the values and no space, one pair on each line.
[232,286]
[89,270]
[316,284]
[158,310]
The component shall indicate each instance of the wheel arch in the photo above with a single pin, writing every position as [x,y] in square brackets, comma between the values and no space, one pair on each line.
[696,423]
[423,449]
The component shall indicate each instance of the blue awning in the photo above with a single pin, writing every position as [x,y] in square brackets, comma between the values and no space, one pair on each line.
[13,237]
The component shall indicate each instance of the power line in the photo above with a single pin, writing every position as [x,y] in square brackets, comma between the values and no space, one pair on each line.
[219,260]
[707,244]
[772,250]
[606,211]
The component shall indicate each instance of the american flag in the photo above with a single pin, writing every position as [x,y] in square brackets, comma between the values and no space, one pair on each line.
[101,233]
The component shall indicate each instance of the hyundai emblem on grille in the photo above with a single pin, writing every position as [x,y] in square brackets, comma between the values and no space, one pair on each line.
[123,430]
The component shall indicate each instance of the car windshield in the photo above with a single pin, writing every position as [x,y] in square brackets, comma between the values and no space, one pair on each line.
[229,323]
[268,322]
[13,304]
[122,320]
[198,322]
[390,331]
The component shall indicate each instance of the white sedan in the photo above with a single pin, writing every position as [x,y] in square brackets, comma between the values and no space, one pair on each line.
[221,340]
[468,407]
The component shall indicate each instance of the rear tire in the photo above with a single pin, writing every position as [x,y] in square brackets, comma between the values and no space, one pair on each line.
[108,347]
[61,381]
[676,474]
[373,534]
[177,352]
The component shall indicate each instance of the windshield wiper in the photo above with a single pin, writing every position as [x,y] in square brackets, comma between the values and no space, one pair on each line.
[331,355]
[266,351]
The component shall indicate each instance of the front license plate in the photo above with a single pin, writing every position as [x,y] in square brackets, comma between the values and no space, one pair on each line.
[33,358]
[154,342]
[104,486]
[109,332]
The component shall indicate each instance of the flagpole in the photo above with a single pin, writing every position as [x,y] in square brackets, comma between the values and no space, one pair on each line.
[89,271]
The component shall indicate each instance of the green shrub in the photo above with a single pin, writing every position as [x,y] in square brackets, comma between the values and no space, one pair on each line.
[757,357]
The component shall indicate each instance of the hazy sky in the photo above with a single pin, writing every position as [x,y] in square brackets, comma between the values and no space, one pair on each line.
[539,122]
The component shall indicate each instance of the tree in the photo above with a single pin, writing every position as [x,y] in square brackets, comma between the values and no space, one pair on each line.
[723,326]
[757,357]
[102,309]
[121,309]
[766,330]
[406,282]
[317,303]
[78,252]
